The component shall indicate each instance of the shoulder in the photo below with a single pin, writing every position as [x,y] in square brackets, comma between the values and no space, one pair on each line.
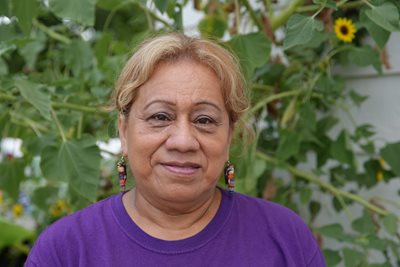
[283,226]
[267,210]
[65,236]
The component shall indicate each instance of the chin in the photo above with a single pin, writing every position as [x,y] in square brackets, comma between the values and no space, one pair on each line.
[186,193]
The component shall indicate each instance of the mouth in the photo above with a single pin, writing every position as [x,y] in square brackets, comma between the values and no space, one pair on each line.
[181,168]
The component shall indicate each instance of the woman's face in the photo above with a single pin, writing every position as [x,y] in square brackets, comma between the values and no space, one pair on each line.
[177,135]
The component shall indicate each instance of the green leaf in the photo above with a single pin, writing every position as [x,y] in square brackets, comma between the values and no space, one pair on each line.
[81,11]
[386,16]
[78,56]
[357,98]
[161,5]
[5,8]
[300,30]
[365,56]
[3,67]
[12,234]
[305,195]
[334,231]
[374,242]
[390,223]
[31,51]
[43,197]
[352,258]
[12,173]
[363,224]
[25,11]
[364,131]
[76,162]
[289,144]
[31,92]
[326,3]
[390,154]
[341,149]
[253,50]
[332,258]
[379,34]
[212,25]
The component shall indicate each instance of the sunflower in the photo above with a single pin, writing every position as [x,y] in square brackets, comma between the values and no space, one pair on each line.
[345,29]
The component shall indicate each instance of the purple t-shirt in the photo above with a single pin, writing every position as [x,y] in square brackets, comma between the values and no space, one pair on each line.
[245,231]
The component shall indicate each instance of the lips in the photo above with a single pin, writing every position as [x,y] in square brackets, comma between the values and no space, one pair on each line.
[182,168]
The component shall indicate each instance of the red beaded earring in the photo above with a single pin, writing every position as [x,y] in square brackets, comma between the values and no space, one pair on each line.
[230,177]
[121,167]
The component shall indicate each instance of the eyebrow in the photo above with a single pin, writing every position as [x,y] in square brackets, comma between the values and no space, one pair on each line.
[204,102]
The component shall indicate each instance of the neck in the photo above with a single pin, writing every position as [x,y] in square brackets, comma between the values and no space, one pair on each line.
[171,222]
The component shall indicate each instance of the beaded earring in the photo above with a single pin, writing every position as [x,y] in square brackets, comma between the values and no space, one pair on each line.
[230,177]
[121,167]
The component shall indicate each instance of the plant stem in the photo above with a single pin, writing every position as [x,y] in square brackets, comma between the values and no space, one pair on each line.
[368,4]
[253,15]
[80,126]
[264,87]
[51,33]
[268,4]
[78,108]
[283,17]
[314,179]
[271,98]
[59,127]
[63,105]
[342,4]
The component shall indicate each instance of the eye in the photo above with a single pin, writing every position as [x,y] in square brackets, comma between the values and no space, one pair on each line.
[160,117]
[204,120]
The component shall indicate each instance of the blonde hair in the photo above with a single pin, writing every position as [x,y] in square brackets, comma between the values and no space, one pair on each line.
[171,48]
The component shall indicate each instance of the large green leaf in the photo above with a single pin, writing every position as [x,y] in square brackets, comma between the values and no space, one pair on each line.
[31,50]
[253,50]
[301,30]
[32,93]
[78,56]
[76,162]
[161,5]
[12,233]
[25,11]
[43,197]
[4,8]
[363,224]
[365,56]
[386,16]
[341,149]
[391,224]
[331,257]
[353,258]
[289,144]
[212,25]
[333,231]
[81,11]
[379,34]
[326,3]
[11,175]
[390,154]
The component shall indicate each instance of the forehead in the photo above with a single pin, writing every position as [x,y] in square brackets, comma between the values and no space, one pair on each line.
[182,80]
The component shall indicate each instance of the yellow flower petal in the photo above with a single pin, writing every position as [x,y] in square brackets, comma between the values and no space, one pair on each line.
[379,176]
[17,210]
[345,29]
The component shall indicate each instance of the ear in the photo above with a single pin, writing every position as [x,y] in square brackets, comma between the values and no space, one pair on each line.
[123,133]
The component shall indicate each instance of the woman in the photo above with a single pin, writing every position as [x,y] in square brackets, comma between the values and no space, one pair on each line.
[179,99]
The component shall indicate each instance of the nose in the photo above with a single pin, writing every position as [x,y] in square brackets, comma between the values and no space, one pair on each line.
[182,138]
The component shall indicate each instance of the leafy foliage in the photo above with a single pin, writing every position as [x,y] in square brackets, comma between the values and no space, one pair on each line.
[58,63]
